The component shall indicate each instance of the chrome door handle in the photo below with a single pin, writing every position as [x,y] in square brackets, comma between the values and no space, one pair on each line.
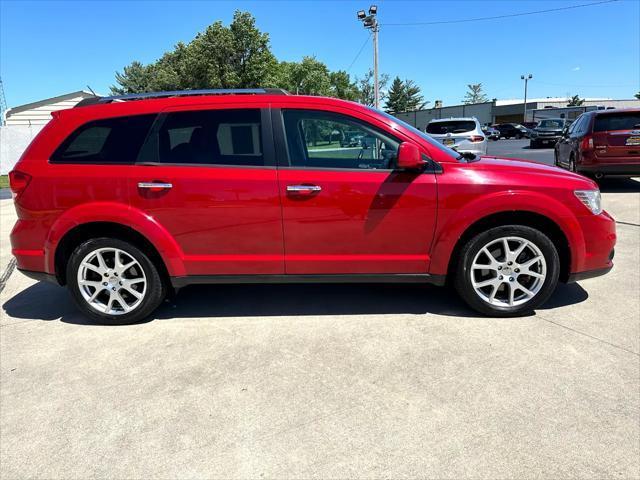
[303,188]
[158,185]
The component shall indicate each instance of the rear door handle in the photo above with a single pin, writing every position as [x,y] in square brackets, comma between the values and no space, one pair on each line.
[155,185]
[303,189]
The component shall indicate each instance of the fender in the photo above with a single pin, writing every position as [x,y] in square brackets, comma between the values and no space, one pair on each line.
[453,227]
[122,214]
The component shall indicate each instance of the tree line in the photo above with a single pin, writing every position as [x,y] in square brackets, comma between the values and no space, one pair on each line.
[239,56]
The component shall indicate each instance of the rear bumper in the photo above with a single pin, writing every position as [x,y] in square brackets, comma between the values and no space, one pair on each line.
[609,168]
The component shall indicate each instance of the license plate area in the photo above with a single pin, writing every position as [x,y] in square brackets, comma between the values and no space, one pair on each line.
[633,141]
[447,142]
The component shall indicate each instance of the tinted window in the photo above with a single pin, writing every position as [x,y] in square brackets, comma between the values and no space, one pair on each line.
[330,140]
[112,140]
[209,137]
[453,126]
[617,121]
[551,123]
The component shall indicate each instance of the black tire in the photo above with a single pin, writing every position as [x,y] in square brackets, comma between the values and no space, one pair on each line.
[155,287]
[473,246]
[533,145]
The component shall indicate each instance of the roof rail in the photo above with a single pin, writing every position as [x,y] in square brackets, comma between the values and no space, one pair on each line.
[182,93]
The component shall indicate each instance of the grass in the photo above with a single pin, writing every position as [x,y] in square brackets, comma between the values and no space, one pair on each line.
[4,181]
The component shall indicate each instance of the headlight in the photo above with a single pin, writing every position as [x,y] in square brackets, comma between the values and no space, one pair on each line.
[591,199]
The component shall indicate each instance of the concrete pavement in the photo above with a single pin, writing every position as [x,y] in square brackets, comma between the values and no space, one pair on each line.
[321,381]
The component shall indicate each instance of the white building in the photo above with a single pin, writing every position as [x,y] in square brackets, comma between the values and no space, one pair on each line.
[21,124]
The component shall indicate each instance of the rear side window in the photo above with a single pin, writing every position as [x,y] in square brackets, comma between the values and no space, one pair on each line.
[454,126]
[112,140]
[617,121]
[208,137]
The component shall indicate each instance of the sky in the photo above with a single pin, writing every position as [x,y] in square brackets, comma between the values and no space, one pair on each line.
[49,48]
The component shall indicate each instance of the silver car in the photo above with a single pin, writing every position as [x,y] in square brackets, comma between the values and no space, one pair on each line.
[462,134]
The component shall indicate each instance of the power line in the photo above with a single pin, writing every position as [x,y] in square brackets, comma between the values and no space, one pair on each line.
[366,40]
[466,20]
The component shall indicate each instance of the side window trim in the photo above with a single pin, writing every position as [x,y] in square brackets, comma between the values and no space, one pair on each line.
[150,146]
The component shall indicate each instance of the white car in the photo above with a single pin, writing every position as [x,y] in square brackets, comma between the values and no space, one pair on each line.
[462,134]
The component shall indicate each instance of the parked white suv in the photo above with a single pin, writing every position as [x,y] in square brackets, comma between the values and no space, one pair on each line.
[461,134]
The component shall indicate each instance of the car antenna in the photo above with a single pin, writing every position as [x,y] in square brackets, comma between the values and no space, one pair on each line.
[91,90]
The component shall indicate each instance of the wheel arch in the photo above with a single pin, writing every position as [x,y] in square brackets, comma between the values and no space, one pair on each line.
[516,217]
[86,231]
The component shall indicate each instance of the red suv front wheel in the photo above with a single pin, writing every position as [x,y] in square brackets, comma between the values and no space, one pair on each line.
[508,270]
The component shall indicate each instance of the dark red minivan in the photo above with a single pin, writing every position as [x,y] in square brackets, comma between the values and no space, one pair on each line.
[124,199]
[602,142]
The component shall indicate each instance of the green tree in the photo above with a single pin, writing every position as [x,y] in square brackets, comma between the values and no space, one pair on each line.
[575,101]
[415,99]
[237,56]
[396,98]
[309,77]
[637,95]
[342,86]
[404,96]
[366,90]
[474,94]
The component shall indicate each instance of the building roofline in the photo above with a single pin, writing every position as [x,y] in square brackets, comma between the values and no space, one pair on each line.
[40,103]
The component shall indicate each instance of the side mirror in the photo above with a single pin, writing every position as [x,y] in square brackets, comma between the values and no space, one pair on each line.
[409,157]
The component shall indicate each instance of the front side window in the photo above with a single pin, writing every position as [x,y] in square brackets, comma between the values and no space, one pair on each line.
[112,140]
[208,137]
[317,139]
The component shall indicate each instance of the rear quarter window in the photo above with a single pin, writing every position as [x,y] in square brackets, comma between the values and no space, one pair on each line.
[617,121]
[454,126]
[111,140]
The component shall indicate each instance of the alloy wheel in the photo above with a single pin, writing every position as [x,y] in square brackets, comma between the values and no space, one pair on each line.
[508,271]
[111,281]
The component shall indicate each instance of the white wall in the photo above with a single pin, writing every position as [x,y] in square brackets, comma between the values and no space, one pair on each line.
[40,115]
[14,139]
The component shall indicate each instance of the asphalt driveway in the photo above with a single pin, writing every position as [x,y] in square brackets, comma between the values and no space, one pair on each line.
[322,381]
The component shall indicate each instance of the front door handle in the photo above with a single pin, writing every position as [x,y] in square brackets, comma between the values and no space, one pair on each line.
[155,186]
[303,189]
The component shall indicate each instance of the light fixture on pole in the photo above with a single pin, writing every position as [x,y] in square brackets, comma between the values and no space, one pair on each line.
[526,79]
[370,22]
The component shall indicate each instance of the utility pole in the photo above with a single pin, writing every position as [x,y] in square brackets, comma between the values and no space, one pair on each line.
[526,79]
[370,22]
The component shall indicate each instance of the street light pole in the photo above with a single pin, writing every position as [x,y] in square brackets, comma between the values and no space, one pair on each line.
[370,22]
[526,79]
[376,86]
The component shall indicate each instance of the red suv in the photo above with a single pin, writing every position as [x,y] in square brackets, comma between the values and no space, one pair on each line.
[602,142]
[125,199]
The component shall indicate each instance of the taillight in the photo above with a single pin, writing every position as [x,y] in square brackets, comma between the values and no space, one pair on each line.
[18,181]
[587,143]
[476,138]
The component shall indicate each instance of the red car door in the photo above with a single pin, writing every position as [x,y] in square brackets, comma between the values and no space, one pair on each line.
[207,176]
[345,209]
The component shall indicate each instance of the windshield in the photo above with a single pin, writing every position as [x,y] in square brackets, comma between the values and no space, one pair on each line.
[452,153]
[451,126]
[551,124]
